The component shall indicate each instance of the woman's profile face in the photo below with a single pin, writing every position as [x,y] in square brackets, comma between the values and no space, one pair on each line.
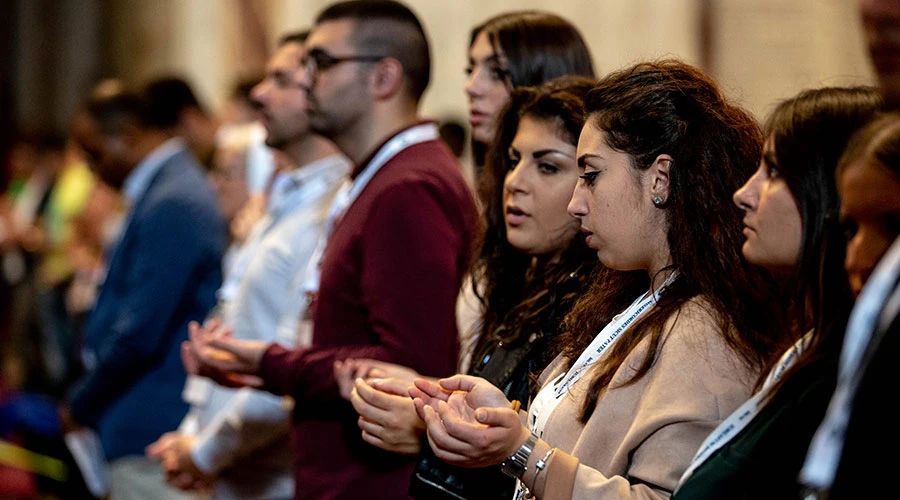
[773,228]
[487,87]
[870,207]
[617,214]
[537,189]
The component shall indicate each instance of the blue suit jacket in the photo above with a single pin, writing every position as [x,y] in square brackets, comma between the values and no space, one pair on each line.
[164,273]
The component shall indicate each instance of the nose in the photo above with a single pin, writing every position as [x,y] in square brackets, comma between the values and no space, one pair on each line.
[860,260]
[578,206]
[747,196]
[259,92]
[473,86]
[516,180]
[305,77]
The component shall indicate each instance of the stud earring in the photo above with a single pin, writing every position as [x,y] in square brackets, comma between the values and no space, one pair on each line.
[657,200]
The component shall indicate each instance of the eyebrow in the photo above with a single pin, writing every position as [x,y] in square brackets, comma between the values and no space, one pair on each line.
[585,157]
[545,152]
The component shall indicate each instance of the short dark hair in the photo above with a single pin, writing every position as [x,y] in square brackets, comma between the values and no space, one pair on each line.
[389,29]
[114,111]
[167,97]
[293,37]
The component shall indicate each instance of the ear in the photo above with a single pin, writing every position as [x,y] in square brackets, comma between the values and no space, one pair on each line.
[387,78]
[658,176]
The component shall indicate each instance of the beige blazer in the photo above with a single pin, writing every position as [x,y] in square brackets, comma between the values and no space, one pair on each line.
[642,437]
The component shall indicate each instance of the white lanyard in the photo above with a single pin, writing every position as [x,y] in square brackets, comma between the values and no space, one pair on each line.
[551,394]
[828,443]
[549,397]
[351,189]
[745,414]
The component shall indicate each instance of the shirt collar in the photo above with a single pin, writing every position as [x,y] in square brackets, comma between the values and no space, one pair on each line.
[293,183]
[139,179]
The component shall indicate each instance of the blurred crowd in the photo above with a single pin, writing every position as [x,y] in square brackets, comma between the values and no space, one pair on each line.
[606,285]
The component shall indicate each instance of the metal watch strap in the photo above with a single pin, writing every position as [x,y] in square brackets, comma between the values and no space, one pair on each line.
[516,464]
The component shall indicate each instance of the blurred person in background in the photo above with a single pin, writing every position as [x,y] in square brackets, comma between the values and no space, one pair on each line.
[241,127]
[36,160]
[238,439]
[162,273]
[68,198]
[175,107]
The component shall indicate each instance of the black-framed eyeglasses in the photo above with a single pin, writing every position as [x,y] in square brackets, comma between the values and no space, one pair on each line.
[317,60]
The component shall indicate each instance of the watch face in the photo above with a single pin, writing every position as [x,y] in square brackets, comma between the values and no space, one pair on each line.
[515,465]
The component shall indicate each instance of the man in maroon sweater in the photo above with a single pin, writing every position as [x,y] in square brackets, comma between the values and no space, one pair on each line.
[399,245]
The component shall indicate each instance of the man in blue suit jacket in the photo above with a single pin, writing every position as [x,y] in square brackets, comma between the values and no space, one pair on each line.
[163,272]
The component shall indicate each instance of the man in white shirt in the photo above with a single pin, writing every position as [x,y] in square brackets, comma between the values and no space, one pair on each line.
[237,440]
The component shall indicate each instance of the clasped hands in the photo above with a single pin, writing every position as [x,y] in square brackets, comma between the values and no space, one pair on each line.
[469,421]
[213,353]
[174,451]
[379,392]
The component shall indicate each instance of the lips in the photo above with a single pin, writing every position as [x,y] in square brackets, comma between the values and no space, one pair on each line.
[747,228]
[477,117]
[515,215]
[587,236]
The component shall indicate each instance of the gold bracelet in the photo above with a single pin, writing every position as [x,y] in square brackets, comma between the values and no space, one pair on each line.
[515,405]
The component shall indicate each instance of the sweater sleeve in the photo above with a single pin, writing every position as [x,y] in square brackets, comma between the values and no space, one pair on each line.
[695,382]
[410,273]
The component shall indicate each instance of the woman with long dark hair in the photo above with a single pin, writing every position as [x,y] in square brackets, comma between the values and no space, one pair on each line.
[792,228]
[511,50]
[533,267]
[683,329]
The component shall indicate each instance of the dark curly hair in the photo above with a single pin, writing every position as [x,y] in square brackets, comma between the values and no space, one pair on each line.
[523,294]
[669,107]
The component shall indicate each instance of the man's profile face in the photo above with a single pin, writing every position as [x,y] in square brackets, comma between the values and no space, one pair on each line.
[281,97]
[881,22]
[338,95]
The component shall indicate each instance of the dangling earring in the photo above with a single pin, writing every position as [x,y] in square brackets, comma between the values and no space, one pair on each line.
[657,200]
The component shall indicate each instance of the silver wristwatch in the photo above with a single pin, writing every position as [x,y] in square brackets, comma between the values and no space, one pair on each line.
[516,464]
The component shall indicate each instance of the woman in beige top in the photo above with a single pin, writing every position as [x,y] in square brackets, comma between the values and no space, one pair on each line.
[681,318]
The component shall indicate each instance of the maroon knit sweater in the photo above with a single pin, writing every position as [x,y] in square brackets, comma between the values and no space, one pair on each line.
[390,278]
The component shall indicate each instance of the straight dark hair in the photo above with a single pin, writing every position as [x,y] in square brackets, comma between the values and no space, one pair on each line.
[808,134]
[538,47]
